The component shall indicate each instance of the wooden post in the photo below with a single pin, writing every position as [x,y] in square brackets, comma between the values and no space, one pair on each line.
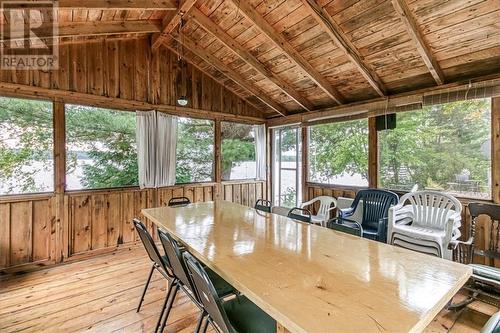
[270,164]
[58,250]
[372,153]
[495,148]
[305,161]
[218,159]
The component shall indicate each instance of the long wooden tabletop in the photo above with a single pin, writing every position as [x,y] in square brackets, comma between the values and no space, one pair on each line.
[313,279]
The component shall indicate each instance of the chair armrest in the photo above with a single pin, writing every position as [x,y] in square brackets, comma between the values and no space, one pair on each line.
[307,203]
[346,212]
[462,251]
[382,229]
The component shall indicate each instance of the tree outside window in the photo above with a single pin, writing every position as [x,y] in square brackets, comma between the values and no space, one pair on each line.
[238,151]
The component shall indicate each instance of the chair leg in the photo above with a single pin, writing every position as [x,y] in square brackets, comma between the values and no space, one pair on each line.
[200,321]
[146,288]
[167,306]
[204,327]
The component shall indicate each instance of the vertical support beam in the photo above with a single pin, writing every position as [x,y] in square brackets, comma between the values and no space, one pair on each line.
[372,153]
[218,159]
[495,148]
[270,163]
[58,250]
[305,161]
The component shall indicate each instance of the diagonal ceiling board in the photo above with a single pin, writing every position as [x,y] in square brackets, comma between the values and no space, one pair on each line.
[171,21]
[336,34]
[221,67]
[247,57]
[423,48]
[279,40]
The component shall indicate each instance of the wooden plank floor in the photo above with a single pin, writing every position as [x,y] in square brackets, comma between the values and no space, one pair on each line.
[101,295]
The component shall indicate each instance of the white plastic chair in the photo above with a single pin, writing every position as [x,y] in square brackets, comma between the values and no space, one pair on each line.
[325,207]
[427,223]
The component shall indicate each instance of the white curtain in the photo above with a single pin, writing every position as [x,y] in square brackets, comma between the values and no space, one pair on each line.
[156,145]
[260,151]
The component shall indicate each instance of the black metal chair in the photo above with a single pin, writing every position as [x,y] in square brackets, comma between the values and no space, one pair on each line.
[354,228]
[182,280]
[160,263]
[485,280]
[264,205]
[300,214]
[178,201]
[235,315]
[376,204]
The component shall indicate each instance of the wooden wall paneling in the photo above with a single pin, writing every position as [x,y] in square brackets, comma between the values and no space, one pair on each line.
[208,192]
[199,194]
[80,216]
[42,227]
[252,196]
[495,110]
[142,77]
[112,65]
[115,221]
[5,245]
[127,68]
[99,221]
[21,232]
[128,213]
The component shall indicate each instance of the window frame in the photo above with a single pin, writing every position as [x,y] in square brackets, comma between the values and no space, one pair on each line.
[308,156]
[458,196]
[214,150]
[221,154]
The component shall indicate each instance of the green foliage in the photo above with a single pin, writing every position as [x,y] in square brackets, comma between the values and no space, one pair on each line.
[238,145]
[430,147]
[195,150]
[338,148]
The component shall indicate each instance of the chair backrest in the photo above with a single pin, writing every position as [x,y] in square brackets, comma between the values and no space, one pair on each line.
[174,255]
[279,210]
[376,204]
[207,293]
[355,230]
[493,212]
[325,203]
[178,201]
[150,245]
[300,214]
[264,205]
[431,208]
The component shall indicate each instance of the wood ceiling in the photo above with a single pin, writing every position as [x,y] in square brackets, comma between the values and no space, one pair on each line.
[304,55]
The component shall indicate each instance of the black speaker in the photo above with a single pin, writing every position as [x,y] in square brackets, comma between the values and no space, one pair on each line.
[386,122]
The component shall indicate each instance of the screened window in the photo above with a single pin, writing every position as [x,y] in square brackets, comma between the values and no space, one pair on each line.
[443,147]
[195,150]
[238,151]
[101,148]
[338,153]
[26,143]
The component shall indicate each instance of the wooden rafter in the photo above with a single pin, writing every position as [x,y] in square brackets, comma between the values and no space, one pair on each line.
[247,57]
[417,37]
[115,4]
[236,77]
[201,69]
[336,34]
[82,29]
[171,21]
[260,23]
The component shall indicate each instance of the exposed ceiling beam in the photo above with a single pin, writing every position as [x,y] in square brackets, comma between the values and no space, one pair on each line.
[221,67]
[247,57]
[171,21]
[417,37]
[336,34]
[260,23]
[81,29]
[108,4]
[221,82]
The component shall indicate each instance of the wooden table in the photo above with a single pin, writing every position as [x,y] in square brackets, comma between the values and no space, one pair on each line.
[313,279]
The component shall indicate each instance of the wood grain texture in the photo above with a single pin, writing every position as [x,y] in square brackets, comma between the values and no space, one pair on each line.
[100,294]
[292,266]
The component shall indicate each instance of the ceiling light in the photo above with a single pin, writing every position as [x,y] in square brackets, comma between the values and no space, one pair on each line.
[182,101]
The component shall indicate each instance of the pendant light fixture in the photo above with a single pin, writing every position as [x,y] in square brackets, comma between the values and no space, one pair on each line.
[182,100]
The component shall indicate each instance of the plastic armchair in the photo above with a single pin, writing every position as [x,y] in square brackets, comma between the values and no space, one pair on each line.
[325,207]
[425,221]
[376,204]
